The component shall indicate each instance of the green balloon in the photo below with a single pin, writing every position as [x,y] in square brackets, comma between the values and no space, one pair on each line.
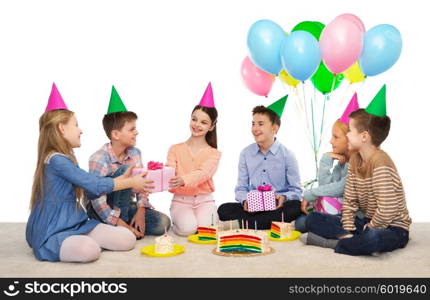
[323,79]
[311,27]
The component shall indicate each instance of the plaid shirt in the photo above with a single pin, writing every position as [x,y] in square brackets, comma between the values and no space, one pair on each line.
[105,163]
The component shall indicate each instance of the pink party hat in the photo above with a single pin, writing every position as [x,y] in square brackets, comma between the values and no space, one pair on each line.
[208,97]
[55,100]
[352,106]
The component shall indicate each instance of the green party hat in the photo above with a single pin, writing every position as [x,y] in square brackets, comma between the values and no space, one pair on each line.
[378,106]
[115,103]
[278,105]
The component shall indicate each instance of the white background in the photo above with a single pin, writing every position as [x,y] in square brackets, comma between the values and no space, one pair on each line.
[160,55]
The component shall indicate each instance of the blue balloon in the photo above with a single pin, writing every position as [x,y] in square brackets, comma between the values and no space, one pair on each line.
[381,50]
[264,41]
[300,54]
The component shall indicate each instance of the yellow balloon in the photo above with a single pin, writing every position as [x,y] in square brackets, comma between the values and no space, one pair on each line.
[288,79]
[354,73]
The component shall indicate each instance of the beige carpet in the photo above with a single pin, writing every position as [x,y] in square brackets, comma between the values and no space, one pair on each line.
[290,259]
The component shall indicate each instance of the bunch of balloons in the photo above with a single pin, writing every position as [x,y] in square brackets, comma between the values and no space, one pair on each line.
[324,54]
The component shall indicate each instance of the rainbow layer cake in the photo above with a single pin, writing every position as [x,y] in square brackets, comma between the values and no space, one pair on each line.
[242,241]
[281,230]
[206,233]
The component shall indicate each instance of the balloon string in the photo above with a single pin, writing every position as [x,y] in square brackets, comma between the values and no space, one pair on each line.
[313,132]
[326,97]
[299,110]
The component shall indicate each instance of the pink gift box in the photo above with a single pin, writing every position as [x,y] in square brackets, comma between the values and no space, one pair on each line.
[261,200]
[329,205]
[161,176]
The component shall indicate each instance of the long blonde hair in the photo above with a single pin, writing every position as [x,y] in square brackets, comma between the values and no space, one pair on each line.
[51,140]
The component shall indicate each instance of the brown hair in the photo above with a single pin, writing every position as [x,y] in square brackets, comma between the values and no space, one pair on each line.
[210,137]
[117,120]
[273,117]
[50,141]
[378,127]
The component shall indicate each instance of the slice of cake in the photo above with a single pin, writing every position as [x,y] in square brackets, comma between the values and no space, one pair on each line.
[164,244]
[281,230]
[242,241]
[206,233]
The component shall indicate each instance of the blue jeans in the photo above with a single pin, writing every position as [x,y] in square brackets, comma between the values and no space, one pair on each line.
[300,223]
[363,242]
[155,222]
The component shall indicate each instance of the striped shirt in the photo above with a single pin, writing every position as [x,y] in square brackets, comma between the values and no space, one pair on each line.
[374,188]
[105,163]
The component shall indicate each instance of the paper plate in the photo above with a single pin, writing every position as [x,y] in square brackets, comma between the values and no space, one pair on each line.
[194,238]
[242,254]
[150,251]
[295,235]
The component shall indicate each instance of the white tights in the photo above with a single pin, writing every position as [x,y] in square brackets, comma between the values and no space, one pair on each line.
[86,248]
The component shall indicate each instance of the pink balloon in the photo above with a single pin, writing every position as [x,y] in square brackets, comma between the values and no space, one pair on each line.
[354,19]
[341,43]
[256,80]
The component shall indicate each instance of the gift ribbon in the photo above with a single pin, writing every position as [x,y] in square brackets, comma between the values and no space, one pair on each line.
[153,165]
[262,189]
[265,188]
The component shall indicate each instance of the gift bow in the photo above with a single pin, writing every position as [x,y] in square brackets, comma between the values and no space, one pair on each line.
[153,165]
[265,188]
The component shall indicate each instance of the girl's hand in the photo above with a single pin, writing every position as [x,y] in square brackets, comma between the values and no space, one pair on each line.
[280,200]
[176,182]
[341,158]
[142,184]
[303,207]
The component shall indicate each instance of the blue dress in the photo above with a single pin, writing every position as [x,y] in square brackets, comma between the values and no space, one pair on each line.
[57,217]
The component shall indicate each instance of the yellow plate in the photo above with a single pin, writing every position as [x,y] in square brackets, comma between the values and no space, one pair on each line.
[150,251]
[194,238]
[295,235]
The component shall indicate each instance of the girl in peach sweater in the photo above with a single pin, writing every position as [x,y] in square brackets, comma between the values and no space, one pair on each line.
[196,161]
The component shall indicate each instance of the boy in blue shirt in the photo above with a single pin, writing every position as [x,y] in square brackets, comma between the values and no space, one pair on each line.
[266,161]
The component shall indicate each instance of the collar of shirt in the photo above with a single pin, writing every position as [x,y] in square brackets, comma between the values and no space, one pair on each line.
[273,149]
[112,154]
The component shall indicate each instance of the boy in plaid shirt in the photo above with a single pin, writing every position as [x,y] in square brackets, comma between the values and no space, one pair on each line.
[112,160]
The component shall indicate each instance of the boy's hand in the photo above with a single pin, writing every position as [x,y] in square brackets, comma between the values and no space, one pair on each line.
[138,221]
[303,207]
[124,224]
[127,173]
[176,182]
[245,205]
[280,200]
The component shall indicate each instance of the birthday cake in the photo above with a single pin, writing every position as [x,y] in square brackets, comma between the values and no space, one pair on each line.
[281,230]
[242,240]
[164,244]
[207,233]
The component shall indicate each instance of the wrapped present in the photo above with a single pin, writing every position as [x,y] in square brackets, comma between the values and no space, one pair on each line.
[160,174]
[328,205]
[262,199]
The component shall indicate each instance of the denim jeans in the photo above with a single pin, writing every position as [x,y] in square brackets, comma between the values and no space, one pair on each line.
[155,222]
[300,223]
[363,242]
